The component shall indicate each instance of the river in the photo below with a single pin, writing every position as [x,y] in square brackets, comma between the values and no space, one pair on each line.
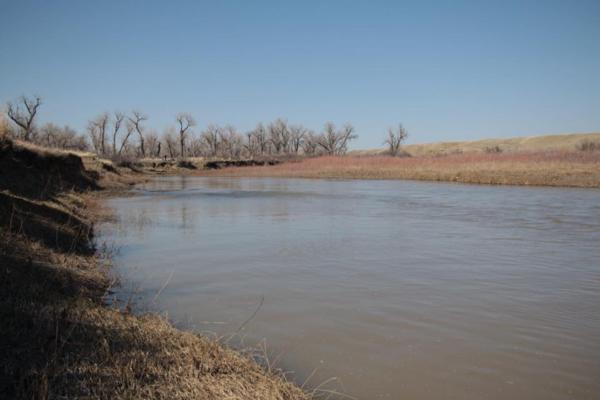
[397,289]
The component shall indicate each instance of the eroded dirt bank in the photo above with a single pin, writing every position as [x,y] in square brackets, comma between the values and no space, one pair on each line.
[58,337]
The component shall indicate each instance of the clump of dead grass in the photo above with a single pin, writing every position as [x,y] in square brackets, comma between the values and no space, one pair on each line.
[61,340]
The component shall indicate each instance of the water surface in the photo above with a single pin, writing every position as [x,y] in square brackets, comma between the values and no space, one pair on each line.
[402,290]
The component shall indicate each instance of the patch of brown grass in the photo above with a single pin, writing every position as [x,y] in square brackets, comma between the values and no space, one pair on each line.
[549,168]
[41,174]
[59,340]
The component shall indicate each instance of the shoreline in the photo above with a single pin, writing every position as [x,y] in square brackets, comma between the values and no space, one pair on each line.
[548,160]
[60,337]
[542,169]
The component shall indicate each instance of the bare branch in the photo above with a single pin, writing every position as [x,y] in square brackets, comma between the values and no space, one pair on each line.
[24,118]
[130,128]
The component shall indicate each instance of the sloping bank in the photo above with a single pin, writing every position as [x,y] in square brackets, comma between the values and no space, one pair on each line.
[58,337]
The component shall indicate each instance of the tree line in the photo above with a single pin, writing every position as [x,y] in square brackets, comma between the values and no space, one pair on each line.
[125,136]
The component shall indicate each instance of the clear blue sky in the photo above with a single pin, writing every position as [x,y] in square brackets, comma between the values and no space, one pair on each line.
[448,70]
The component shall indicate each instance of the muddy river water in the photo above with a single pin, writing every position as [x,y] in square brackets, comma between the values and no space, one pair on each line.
[399,290]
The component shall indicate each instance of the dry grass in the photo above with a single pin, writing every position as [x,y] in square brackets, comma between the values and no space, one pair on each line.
[566,142]
[59,338]
[49,151]
[549,168]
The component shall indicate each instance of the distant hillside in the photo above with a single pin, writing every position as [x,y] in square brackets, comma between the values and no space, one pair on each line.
[523,143]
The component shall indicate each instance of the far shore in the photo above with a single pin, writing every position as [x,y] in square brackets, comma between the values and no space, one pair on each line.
[553,160]
[536,169]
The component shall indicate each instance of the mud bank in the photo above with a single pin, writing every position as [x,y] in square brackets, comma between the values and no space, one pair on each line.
[59,338]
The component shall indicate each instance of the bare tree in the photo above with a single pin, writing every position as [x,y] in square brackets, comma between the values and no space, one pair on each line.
[344,137]
[231,142]
[68,138]
[257,141]
[92,130]
[63,138]
[130,128]
[310,144]
[336,141]
[279,135]
[185,121]
[118,120]
[297,134]
[152,143]
[48,133]
[251,145]
[260,133]
[170,141]
[24,118]
[136,119]
[328,139]
[101,123]
[196,147]
[210,137]
[395,139]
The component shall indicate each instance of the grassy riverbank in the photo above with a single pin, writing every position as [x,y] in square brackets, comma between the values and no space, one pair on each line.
[59,338]
[568,167]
